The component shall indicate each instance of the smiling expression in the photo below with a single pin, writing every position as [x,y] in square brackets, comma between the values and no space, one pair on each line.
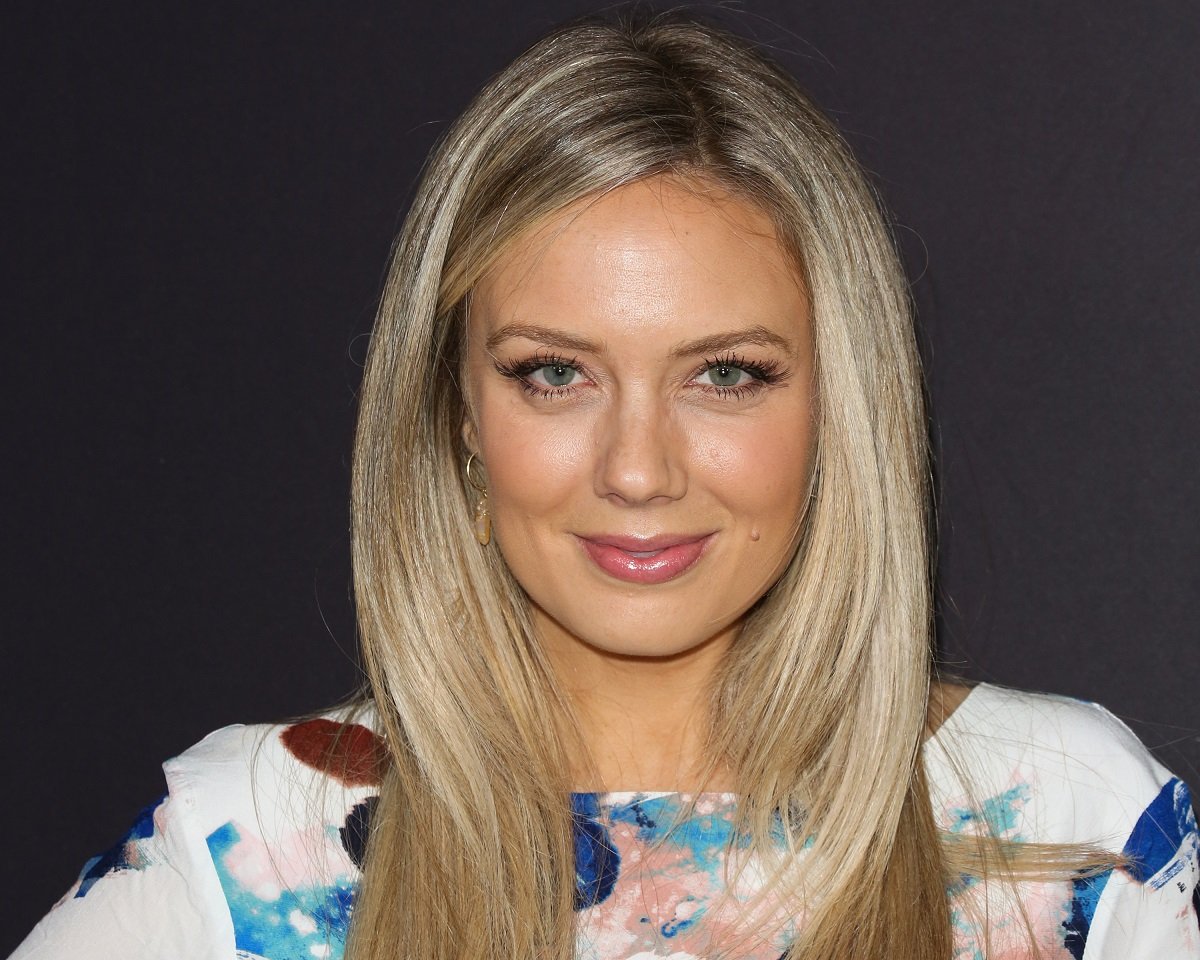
[640,375]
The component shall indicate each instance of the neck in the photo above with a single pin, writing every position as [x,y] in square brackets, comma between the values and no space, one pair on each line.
[643,720]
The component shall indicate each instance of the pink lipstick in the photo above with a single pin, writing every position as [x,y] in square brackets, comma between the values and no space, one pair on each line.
[645,559]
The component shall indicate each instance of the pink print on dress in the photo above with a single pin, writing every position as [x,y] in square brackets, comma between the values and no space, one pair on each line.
[659,892]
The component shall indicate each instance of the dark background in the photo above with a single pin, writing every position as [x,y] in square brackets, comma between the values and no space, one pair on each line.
[199,207]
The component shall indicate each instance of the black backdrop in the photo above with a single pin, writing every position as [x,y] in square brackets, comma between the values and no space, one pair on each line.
[201,204]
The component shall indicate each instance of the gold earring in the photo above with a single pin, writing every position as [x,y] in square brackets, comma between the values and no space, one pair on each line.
[483,522]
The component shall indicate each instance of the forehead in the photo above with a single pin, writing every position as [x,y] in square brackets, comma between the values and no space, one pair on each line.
[642,254]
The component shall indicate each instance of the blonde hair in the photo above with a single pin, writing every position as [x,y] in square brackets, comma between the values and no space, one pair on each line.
[820,708]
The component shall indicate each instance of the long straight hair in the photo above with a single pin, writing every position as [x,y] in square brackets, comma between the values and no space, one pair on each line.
[820,706]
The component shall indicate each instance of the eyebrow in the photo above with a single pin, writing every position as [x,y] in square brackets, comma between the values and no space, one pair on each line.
[562,339]
[757,334]
[547,336]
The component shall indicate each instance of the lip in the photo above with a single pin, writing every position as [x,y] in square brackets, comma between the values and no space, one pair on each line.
[663,557]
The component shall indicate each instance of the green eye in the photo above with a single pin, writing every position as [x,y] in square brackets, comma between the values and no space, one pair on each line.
[725,375]
[555,374]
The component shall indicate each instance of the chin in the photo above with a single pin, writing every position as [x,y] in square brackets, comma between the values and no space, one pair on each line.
[639,647]
[653,634]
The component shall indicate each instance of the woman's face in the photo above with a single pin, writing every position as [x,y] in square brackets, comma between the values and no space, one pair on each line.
[640,371]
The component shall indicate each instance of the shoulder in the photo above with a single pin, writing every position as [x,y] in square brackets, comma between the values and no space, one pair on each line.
[1074,770]
[1044,726]
[285,810]
[1043,769]
[278,775]
[254,848]
[282,808]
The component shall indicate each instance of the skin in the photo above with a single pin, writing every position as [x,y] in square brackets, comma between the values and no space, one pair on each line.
[596,410]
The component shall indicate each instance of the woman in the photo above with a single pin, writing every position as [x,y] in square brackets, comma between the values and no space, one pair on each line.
[642,574]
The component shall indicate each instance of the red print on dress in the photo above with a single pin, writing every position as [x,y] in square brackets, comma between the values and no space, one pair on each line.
[349,752]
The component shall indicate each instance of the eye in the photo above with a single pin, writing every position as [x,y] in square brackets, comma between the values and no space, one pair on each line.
[547,377]
[732,377]
[723,374]
[554,374]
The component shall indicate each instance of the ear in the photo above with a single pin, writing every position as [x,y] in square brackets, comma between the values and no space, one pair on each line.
[470,436]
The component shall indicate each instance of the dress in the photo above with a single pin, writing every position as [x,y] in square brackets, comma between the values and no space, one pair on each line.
[254,849]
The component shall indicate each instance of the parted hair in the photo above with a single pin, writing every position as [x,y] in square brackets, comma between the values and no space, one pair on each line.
[819,708]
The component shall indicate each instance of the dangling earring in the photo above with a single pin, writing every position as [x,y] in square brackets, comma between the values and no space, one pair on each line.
[483,522]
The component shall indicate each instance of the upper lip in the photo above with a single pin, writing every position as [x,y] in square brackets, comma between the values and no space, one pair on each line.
[644,544]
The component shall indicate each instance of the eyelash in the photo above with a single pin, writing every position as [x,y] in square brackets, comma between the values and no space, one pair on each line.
[519,370]
[764,373]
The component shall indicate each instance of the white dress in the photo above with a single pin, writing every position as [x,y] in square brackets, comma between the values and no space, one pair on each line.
[254,850]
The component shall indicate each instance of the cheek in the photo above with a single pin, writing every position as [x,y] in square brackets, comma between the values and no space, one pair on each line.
[534,461]
[759,468]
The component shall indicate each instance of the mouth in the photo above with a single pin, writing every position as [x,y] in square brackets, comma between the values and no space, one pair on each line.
[647,560]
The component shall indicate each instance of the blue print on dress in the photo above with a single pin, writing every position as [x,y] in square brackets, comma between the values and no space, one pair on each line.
[597,861]
[1161,831]
[356,831]
[998,815]
[127,854]
[1085,894]
[309,921]
[703,836]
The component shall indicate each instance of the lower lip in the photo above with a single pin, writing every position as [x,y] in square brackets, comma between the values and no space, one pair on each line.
[661,566]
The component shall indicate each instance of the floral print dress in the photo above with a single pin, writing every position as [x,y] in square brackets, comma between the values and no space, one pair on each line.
[255,849]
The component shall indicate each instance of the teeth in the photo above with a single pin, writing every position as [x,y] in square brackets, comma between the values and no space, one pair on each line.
[643,554]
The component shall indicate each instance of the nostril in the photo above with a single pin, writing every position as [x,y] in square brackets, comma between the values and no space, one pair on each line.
[640,456]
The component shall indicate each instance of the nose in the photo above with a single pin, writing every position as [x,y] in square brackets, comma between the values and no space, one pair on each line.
[641,455]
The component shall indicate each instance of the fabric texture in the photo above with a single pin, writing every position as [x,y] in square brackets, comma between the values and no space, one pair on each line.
[255,849]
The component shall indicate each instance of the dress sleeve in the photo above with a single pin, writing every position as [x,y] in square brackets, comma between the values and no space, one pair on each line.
[1148,910]
[154,896]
